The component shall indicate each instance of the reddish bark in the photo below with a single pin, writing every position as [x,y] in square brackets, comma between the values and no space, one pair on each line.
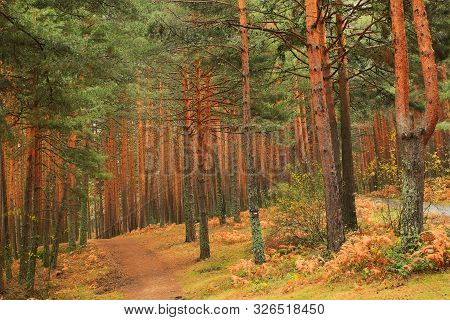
[335,227]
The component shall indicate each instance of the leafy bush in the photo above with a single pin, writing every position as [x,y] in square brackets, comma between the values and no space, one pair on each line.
[298,214]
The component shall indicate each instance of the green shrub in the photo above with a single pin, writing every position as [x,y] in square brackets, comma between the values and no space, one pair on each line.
[298,212]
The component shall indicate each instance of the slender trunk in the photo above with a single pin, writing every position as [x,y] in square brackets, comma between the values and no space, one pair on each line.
[188,187]
[124,175]
[205,251]
[348,180]
[72,205]
[329,97]
[220,201]
[27,209]
[37,210]
[5,250]
[335,227]
[141,173]
[257,241]
[234,166]
[47,218]
[57,229]
[84,216]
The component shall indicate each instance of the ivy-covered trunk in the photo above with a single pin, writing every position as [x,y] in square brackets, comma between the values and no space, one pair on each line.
[413,138]
[252,187]
[413,169]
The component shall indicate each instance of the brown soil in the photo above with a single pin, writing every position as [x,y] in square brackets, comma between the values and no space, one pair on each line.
[150,273]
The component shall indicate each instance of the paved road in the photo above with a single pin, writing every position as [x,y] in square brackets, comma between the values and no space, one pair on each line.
[427,207]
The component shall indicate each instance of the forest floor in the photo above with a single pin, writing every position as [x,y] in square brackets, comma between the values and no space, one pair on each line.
[156,263]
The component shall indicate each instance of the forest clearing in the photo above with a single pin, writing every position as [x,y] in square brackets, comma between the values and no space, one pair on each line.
[224,149]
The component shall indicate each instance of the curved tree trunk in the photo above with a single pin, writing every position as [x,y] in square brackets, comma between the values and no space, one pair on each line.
[429,69]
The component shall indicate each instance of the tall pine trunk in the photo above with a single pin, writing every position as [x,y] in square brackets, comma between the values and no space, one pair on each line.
[335,227]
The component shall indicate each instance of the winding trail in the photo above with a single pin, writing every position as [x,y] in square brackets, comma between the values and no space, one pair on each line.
[150,271]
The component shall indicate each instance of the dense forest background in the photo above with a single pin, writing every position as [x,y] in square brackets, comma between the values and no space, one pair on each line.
[117,115]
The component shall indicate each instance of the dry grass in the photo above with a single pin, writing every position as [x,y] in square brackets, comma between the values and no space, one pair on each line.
[82,274]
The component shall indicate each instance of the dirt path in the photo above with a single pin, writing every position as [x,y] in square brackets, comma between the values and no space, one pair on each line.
[149,273]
